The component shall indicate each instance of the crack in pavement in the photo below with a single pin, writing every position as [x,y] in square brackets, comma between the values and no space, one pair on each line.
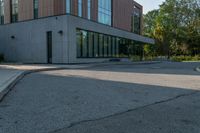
[121,113]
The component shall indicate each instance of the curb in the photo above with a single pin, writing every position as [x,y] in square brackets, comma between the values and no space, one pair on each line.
[16,79]
[126,63]
[198,69]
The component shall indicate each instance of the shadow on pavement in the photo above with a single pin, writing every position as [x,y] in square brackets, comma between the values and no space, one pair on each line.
[43,103]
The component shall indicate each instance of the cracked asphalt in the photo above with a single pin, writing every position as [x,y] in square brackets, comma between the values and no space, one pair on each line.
[150,98]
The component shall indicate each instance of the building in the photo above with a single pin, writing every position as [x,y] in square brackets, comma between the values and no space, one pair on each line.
[70,31]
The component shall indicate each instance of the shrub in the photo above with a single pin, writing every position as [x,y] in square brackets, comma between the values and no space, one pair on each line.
[135,58]
[185,58]
[1,57]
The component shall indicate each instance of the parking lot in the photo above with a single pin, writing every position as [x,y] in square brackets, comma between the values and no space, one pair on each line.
[144,98]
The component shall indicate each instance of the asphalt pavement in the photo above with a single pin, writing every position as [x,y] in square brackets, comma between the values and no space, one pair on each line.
[150,98]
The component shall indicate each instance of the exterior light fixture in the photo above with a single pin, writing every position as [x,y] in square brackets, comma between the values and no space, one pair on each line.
[60,32]
[12,37]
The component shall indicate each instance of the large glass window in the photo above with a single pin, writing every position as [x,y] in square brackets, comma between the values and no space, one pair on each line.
[90,44]
[1,11]
[109,46]
[113,46]
[101,45]
[105,48]
[68,6]
[136,20]
[14,10]
[85,44]
[35,8]
[89,9]
[96,45]
[105,12]
[80,5]
[79,42]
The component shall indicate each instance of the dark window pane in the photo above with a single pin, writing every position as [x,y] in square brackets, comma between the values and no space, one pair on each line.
[2,11]
[96,46]
[79,43]
[85,43]
[100,45]
[14,10]
[105,46]
[109,47]
[35,8]
[113,46]
[90,43]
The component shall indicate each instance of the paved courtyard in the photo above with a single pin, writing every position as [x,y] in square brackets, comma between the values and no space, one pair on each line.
[148,98]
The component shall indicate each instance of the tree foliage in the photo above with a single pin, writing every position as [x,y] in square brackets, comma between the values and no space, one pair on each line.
[175,26]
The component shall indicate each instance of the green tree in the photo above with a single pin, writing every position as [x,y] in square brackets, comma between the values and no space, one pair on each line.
[175,26]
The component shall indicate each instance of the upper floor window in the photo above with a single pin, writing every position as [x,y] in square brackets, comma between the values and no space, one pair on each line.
[89,9]
[136,20]
[35,8]
[1,11]
[14,10]
[80,5]
[68,6]
[105,11]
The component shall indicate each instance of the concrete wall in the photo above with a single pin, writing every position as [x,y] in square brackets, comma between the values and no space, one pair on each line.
[29,43]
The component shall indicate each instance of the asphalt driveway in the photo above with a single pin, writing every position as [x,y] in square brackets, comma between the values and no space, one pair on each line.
[128,98]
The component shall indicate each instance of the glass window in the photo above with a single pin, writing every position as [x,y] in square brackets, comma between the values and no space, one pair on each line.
[117,47]
[105,49]
[136,20]
[105,12]
[80,5]
[1,11]
[85,43]
[101,45]
[14,10]
[89,9]
[109,46]
[68,6]
[91,44]
[96,45]
[79,42]
[35,8]
[113,46]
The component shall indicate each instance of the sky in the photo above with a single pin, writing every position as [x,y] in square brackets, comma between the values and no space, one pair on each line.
[149,5]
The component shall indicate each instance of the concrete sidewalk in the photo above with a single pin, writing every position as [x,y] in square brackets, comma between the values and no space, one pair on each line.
[10,74]
[8,77]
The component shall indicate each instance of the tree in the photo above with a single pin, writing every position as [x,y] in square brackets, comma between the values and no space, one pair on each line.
[175,26]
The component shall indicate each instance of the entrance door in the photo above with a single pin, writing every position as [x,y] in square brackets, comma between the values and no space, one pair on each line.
[49,47]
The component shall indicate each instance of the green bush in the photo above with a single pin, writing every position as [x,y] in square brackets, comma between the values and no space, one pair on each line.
[1,57]
[185,58]
[135,58]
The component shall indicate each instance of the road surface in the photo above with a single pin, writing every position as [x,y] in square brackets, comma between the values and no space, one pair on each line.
[153,98]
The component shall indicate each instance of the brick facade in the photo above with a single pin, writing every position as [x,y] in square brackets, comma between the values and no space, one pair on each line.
[122,10]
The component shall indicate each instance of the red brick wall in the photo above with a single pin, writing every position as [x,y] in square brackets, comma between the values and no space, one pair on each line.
[59,7]
[122,12]
[94,8]
[7,11]
[25,10]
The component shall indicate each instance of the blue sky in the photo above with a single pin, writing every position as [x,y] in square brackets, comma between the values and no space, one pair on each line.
[149,5]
